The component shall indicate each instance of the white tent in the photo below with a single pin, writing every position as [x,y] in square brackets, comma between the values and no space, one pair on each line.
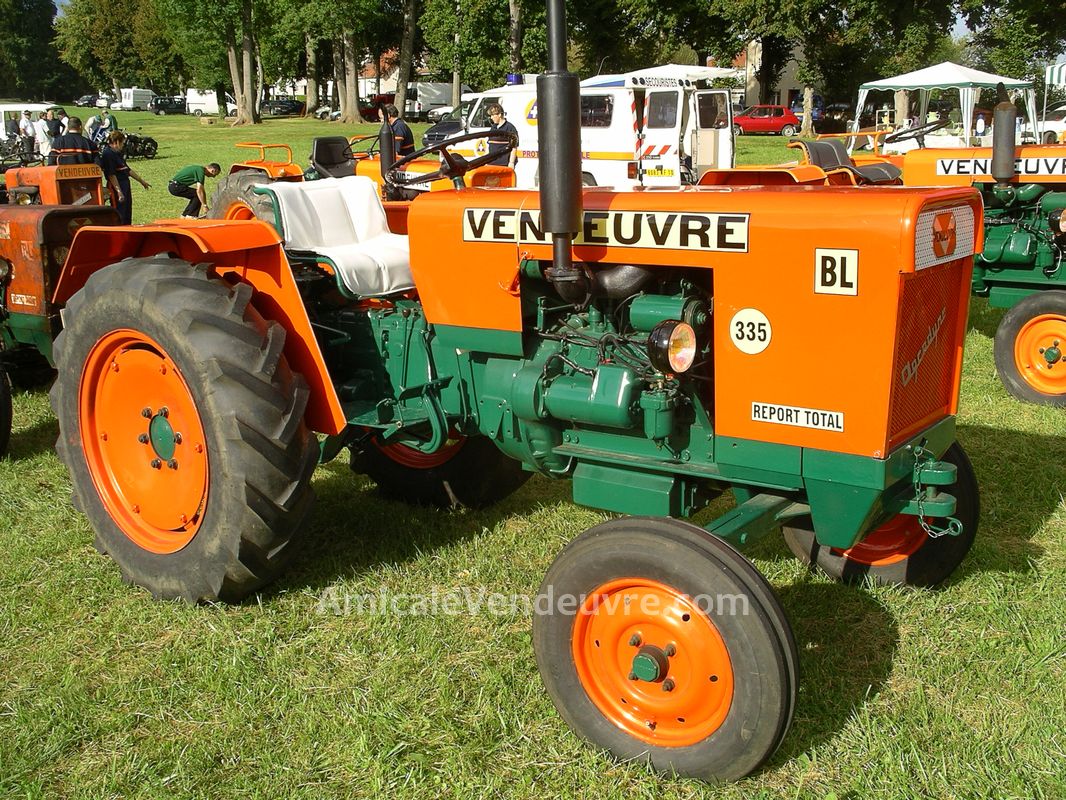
[663,75]
[969,83]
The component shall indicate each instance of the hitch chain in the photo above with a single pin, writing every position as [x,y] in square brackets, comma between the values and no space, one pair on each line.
[954,527]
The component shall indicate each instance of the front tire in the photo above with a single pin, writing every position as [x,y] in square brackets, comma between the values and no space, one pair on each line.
[1029,347]
[465,471]
[641,659]
[788,131]
[738,131]
[900,552]
[181,426]
[235,198]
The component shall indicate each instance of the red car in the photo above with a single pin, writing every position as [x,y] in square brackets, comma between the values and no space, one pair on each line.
[766,119]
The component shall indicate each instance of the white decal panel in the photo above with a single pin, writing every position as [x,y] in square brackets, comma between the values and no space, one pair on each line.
[836,271]
[942,235]
[721,233]
[798,416]
[1044,165]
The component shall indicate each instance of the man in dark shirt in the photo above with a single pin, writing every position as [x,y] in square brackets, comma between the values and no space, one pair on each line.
[405,140]
[501,145]
[188,183]
[72,147]
[117,174]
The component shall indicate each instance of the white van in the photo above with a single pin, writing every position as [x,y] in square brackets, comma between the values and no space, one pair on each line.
[653,127]
[425,96]
[200,103]
[134,99]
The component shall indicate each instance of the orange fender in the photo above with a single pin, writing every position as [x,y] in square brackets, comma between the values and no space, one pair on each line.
[247,251]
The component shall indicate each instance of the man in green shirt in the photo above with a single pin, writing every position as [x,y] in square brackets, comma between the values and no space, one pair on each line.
[189,183]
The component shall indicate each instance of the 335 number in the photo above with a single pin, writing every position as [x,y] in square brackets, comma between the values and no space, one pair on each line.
[748,331]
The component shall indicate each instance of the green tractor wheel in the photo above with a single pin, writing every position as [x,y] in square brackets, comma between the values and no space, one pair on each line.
[5,410]
[661,643]
[1030,348]
[465,471]
[181,426]
[900,552]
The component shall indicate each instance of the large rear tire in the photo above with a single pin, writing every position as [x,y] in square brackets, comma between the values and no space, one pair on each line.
[181,426]
[900,552]
[235,197]
[663,644]
[1029,348]
[466,471]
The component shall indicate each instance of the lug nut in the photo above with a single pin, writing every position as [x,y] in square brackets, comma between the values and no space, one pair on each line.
[157,464]
[634,640]
[173,463]
[143,438]
[164,412]
[668,685]
[177,438]
[670,650]
[146,413]
[633,676]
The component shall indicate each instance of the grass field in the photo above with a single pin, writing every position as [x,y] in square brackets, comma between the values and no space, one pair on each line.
[104,693]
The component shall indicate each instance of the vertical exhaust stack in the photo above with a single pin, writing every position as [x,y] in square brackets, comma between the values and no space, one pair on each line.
[1004,117]
[559,140]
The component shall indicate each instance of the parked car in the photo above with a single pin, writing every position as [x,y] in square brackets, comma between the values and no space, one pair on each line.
[837,118]
[817,107]
[87,100]
[104,101]
[283,107]
[1053,127]
[368,109]
[766,119]
[437,114]
[445,129]
[167,105]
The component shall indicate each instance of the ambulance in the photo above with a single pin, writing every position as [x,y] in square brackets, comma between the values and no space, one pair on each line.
[660,126]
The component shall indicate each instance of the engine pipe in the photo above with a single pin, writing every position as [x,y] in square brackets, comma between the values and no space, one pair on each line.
[559,139]
[1004,117]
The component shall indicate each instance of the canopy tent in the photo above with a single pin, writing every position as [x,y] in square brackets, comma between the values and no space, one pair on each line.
[969,83]
[663,75]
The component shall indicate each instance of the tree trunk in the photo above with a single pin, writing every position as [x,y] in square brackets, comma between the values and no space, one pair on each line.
[311,92]
[246,111]
[807,124]
[407,46]
[351,113]
[236,78]
[340,92]
[515,56]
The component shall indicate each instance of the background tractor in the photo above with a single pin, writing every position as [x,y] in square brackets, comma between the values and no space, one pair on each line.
[651,347]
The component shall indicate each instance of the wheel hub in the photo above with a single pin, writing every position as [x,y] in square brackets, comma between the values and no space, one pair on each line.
[162,436]
[1038,353]
[650,664]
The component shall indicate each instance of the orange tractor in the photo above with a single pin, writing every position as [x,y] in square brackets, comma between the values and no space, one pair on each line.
[650,346]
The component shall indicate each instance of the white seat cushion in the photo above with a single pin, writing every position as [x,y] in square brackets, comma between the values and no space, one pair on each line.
[343,220]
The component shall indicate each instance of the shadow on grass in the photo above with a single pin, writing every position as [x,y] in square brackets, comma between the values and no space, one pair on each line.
[353,528]
[38,438]
[847,642]
[984,318]
[1021,477]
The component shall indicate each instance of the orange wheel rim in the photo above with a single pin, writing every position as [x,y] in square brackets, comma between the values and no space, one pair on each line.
[239,210]
[896,540]
[143,440]
[626,625]
[412,457]
[1038,353]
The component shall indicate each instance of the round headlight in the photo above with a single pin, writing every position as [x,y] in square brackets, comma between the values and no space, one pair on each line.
[672,346]
[1056,222]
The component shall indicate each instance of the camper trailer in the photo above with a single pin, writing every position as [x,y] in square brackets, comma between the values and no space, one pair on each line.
[134,99]
[655,127]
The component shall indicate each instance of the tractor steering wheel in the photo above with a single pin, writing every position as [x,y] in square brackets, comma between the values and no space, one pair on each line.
[453,166]
[370,151]
[916,133]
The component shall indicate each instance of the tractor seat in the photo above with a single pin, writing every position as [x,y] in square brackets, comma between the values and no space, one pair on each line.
[830,154]
[331,156]
[342,220]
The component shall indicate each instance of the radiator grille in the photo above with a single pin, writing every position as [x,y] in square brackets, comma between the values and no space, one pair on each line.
[942,235]
[930,328]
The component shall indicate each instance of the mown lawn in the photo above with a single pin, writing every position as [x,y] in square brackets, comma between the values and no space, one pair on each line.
[105,693]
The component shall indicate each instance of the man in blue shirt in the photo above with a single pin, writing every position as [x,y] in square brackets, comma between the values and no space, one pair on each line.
[405,140]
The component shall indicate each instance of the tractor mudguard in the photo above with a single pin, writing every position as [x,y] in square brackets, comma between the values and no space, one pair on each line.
[237,251]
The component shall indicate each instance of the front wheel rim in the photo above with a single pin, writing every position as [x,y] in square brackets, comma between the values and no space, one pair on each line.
[652,662]
[143,440]
[1038,353]
[895,541]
